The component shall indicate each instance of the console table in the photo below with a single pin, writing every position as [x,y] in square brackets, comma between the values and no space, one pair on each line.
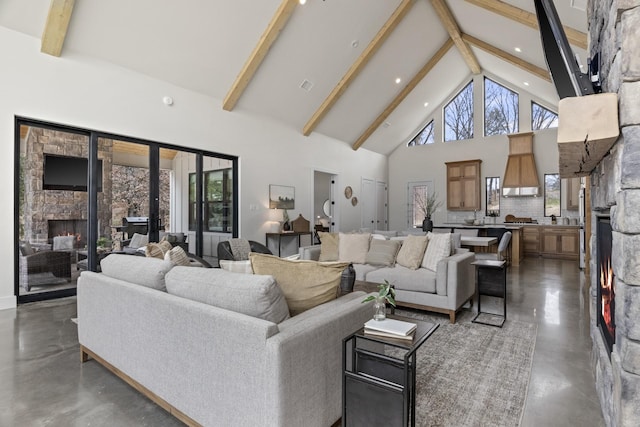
[379,377]
[274,241]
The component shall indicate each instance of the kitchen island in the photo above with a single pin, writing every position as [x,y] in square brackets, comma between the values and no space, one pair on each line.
[531,239]
[496,230]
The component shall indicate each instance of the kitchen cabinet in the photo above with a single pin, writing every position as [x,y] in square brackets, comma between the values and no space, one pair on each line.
[531,238]
[463,185]
[573,193]
[560,242]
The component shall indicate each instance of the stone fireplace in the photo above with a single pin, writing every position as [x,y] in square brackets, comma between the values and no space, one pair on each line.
[615,193]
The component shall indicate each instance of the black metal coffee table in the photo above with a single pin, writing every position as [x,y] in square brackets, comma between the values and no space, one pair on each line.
[379,377]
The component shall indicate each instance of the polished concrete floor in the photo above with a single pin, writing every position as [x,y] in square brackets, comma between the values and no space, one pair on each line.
[42,382]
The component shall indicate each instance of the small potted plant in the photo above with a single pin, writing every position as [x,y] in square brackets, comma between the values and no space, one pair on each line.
[386,294]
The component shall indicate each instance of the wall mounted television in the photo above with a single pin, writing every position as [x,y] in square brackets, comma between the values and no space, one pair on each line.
[564,68]
[67,173]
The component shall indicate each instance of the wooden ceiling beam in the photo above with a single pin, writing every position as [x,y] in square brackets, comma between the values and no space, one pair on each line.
[512,59]
[384,33]
[277,24]
[404,93]
[56,26]
[450,24]
[575,37]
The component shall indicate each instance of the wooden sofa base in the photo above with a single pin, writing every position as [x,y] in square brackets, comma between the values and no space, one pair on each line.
[86,354]
[451,313]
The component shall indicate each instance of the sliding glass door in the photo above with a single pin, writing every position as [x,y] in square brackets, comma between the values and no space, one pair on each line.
[82,195]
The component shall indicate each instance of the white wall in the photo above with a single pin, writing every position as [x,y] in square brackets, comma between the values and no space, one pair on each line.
[427,163]
[90,94]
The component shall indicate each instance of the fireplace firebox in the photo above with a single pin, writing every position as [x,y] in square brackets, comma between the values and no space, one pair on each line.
[606,284]
[69,227]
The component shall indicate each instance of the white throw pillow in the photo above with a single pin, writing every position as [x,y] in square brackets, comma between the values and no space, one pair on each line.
[236,266]
[353,247]
[439,248]
[412,252]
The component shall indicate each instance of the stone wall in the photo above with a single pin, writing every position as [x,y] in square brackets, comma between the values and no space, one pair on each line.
[614,32]
[42,205]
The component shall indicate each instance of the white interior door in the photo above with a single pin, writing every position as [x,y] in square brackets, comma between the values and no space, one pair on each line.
[368,201]
[381,206]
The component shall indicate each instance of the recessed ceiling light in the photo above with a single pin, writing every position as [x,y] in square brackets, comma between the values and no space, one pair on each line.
[355,43]
[386,124]
[517,49]
[303,1]
[426,104]
[398,80]
[526,83]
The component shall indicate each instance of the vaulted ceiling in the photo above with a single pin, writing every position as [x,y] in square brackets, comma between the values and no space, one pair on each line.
[328,66]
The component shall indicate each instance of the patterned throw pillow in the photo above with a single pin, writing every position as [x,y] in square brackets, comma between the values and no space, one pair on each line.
[157,250]
[412,252]
[439,248]
[177,256]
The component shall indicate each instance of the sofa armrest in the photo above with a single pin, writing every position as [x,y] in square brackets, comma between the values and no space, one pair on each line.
[310,252]
[460,283]
[307,354]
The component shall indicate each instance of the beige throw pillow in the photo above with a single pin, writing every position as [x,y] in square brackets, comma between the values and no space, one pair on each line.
[305,284]
[157,250]
[177,256]
[383,252]
[328,246]
[353,247]
[439,248]
[412,252]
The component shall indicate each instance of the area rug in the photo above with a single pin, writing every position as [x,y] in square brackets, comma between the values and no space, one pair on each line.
[471,374]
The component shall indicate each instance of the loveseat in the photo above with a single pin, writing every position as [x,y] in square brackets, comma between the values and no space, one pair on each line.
[443,288]
[211,365]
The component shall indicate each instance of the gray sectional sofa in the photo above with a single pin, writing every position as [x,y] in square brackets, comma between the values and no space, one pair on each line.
[216,365]
[444,290]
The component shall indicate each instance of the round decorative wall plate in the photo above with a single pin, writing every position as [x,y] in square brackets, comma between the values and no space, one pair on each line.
[354,201]
[348,192]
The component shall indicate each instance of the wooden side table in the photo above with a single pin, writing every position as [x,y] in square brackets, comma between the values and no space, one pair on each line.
[491,280]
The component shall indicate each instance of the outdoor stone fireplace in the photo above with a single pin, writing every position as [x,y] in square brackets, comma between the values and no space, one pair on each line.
[615,193]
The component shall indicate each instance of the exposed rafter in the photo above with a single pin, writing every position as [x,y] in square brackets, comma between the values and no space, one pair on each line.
[55,29]
[452,28]
[386,30]
[575,37]
[250,67]
[512,59]
[404,93]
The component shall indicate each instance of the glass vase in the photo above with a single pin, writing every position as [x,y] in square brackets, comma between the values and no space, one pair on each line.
[380,308]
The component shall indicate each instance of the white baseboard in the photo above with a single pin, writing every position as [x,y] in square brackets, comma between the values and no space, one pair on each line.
[8,302]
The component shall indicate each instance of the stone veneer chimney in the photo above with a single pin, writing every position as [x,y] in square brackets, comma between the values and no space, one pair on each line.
[614,32]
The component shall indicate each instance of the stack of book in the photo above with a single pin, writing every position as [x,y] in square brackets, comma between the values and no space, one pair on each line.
[390,328]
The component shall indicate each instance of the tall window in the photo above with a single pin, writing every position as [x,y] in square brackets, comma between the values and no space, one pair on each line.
[416,196]
[552,194]
[218,201]
[542,118]
[424,137]
[500,109]
[458,116]
[493,196]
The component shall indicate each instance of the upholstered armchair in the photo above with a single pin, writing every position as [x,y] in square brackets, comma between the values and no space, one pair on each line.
[31,262]
[225,251]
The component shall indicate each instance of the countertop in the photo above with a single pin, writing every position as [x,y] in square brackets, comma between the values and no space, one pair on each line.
[509,226]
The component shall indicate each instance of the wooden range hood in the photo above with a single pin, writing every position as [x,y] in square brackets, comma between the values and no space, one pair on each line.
[521,174]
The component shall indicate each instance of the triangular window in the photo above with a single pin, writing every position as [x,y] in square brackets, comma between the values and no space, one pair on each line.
[425,136]
[458,116]
[542,118]
[500,109]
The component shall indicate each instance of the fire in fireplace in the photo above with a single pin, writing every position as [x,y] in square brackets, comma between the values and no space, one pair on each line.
[69,227]
[606,284]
